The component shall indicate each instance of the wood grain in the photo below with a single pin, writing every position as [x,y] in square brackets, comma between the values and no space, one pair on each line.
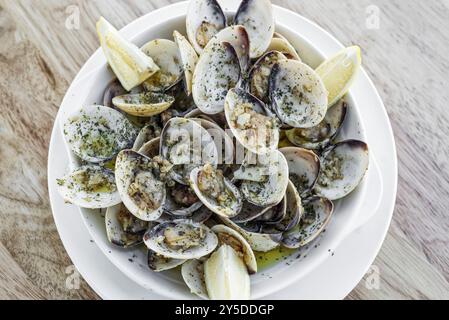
[407,58]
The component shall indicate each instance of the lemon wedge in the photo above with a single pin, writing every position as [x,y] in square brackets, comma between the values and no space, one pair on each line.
[339,72]
[226,275]
[129,63]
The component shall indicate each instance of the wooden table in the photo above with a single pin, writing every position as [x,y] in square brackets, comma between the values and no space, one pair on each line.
[406,56]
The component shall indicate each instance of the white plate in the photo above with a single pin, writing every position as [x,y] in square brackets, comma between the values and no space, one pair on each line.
[378,136]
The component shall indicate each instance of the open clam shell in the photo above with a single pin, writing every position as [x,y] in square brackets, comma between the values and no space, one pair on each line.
[140,188]
[258,19]
[266,186]
[193,274]
[249,213]
[293,211]
[181,201]
[216,192]
[261,242]
[97,133]
[204,20]
[343,167]
[297,94]
[113,90]
[187,145]
[166,55]
[281,44]
[317,215]
[223,142]
[189,59]
[122,228]
[90,186]
[320,136]
[237,36]
[181,239]
[217,71]
[273,215]
[218,118]
[226,275]
[159,263]
[151,148]
[144,104]
[260,74]
[235,240]
[250,122]
[303,166]
[149,132]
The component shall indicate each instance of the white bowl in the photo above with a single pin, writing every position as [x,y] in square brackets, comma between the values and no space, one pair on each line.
[347,216]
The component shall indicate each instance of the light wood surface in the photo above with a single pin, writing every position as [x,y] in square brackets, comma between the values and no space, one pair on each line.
[407,58]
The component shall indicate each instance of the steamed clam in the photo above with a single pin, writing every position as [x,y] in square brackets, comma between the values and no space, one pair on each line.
[159,263]
[123,229]
[264,178]
[257,17]
[260,74]
[186,145]
[317,214]
[90,187]
[165,53]
[250,122]
[297,94]
[218,70]
[320,136]
[140,185]
[304,168]
[181,240]
[343,167]
[281,44]
[97,134]
[204,20]
[216,192]
[143,104]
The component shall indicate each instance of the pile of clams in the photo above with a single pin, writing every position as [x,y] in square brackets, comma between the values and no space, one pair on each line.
[188,163]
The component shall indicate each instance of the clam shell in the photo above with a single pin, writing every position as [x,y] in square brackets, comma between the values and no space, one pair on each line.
[204,20]
[156,240]
[271,190]
[159,263]
[281,44]
[134,174]
[257,17]
[144,104]
[320,136]
[217,71]
[235,240]
[121,235]
[317,215]
[166,55]
[187,145]
[228,210]
[90,186]
[259,75]
[304,168]
[193,274]
[260,242]
[97,133]
[151,148]
[189,59]
[343,167]
[297,94]
[248,120]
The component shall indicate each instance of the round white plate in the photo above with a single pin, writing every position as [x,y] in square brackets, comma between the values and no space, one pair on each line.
[339,276]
